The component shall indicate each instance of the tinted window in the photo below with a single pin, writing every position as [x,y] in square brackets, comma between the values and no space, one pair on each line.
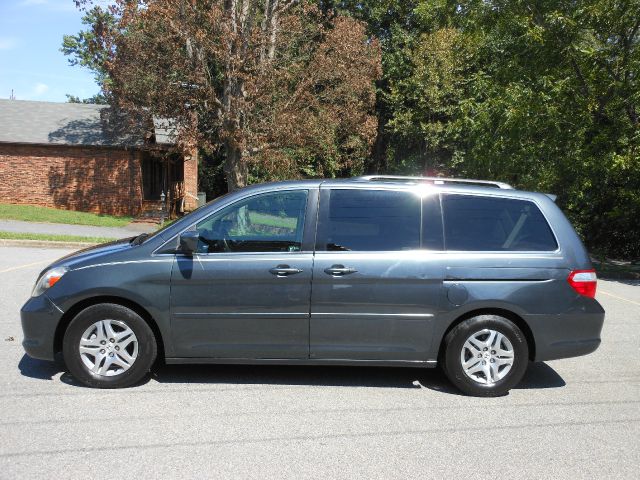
[271,222]
[494,224]
[370,220]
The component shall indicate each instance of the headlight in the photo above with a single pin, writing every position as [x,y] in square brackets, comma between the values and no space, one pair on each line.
[48,280]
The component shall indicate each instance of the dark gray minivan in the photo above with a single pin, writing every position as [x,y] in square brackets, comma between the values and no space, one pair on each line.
[396,271]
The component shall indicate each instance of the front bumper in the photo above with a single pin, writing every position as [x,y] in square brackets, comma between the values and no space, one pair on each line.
[40,318]
[566,335]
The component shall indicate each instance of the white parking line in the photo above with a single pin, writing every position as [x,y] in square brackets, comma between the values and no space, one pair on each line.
[620,298]
[27,265]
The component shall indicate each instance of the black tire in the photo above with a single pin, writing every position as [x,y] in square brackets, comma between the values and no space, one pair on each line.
[147,346]
[453,345]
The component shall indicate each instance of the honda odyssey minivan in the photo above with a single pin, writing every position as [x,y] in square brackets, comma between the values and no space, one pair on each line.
[470,275]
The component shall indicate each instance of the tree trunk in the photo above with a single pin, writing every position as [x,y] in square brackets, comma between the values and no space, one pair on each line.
[273,29]
[235,167]
[378,162]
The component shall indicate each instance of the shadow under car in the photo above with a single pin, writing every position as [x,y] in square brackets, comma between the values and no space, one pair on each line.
[539,375]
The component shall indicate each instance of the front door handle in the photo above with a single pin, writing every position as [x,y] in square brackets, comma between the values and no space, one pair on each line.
[339,270]
[284,271]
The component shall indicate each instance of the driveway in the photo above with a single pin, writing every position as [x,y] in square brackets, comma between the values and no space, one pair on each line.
[575,418]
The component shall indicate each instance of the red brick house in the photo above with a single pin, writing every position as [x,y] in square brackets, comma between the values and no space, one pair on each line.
[91,158]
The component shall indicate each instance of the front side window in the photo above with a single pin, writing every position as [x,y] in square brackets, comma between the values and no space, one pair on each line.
[475,223]
[369,220]
[269,222]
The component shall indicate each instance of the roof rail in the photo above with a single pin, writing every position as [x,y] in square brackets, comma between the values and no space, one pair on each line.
[434,180]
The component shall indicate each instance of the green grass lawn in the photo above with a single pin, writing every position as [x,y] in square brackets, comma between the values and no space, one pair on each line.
[29,213]
[54,238]
[272,220]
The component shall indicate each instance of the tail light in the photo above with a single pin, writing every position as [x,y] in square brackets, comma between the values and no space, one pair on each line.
[584,282]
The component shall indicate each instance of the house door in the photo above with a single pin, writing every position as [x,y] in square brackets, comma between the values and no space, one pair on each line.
[153,177]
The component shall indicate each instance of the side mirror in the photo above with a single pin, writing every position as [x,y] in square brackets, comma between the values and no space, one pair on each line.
[189,242]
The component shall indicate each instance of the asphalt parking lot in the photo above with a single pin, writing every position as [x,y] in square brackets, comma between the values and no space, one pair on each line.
[575,418]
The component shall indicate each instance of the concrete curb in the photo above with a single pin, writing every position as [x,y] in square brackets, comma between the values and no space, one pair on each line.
[44,244]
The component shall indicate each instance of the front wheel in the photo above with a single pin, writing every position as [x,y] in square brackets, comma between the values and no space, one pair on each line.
[109,346]
[485,356]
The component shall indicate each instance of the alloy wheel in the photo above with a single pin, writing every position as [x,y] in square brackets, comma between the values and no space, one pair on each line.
[108,348]
[487,356]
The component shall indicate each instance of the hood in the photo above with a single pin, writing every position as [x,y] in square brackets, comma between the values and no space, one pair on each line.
[75,259]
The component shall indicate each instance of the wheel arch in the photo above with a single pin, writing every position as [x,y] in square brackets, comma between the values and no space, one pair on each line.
[508,314]
[71,313]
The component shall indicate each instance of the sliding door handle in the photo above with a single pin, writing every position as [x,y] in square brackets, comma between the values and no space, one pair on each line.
[339,270]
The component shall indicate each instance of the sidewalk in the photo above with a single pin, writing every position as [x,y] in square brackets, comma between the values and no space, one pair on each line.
[80,230]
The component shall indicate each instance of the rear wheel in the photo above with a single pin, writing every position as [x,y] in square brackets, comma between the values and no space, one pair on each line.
[486,355]
[109,346]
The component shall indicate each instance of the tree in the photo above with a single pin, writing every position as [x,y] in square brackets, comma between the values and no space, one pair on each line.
[543,94]
[394,22]
[86,49]
[97,99]
[284,89]
[426,102]
[550,103]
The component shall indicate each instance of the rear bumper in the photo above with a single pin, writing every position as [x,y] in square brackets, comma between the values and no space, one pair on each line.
[40,318]
[566,335]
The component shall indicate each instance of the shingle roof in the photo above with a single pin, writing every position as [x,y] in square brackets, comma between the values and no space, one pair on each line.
[24,121]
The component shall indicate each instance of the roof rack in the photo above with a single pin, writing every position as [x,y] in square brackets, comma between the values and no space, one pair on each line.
[434,180]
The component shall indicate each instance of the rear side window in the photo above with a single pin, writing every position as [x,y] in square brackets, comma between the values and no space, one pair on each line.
[369,220]
[475,223]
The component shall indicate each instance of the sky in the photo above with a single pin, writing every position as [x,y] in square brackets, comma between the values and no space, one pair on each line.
[30,59]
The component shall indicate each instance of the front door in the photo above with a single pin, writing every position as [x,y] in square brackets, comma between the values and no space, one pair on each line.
[246,292]
[377,278]
[153,177]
